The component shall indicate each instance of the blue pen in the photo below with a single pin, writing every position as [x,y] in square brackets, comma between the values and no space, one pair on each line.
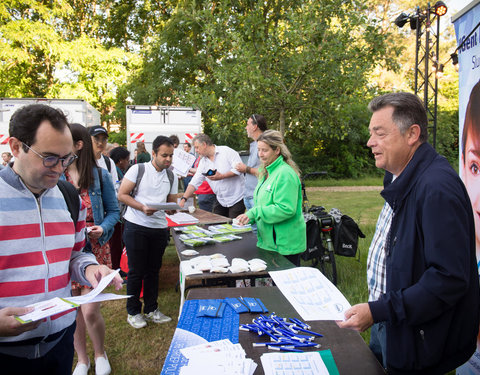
[311,332]
[284,349]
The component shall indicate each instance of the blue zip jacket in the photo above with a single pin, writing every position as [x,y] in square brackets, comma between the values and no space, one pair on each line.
[106,212]
[431,304]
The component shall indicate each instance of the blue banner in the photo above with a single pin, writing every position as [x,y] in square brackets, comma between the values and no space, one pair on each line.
[468,42]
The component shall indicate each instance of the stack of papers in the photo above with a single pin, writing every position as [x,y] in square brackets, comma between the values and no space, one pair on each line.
[58,305]
[229,229]
[309,363]
[182,162]
[182,218]
[311,293]
[217,358]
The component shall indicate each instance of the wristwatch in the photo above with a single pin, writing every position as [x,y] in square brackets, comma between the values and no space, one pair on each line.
[183,198]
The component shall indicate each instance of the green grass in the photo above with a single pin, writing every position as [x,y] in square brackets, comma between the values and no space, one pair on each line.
[364,181]
[143,351]
[364,208]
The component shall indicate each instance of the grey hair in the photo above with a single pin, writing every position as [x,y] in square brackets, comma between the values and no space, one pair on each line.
[408,110]
[202,138]
[274,139]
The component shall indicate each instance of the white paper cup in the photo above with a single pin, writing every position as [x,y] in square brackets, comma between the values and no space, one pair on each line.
[191,209]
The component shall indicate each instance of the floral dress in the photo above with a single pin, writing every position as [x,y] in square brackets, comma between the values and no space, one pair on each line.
[101,252]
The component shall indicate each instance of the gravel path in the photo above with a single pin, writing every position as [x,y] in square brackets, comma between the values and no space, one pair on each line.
[346,188]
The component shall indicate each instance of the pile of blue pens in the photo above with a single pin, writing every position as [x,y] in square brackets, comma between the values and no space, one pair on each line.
[291,336]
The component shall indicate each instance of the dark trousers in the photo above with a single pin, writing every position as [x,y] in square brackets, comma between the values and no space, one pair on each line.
[231,212]
[294,258]
[58,361]
[145,248]
[206,201]
[116,245]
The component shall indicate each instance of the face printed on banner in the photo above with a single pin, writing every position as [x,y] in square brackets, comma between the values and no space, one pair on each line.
[471,178]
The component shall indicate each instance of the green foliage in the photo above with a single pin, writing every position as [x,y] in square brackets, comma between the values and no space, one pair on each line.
[303,64]
[43,55]
[120,137]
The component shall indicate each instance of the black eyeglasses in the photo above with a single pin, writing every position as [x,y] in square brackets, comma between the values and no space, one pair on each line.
[255,119]
[52,161]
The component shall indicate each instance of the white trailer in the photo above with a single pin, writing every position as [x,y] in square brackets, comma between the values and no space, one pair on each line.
[76,110]
[145,123]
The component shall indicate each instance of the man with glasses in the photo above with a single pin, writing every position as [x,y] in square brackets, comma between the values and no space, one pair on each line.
[41,249]
[99,142]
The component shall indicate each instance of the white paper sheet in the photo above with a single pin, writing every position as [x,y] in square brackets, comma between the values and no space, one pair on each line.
[182,218]
[182,161]
[57,305]
[167,206]
[309,363]
[311,293]
[220,357]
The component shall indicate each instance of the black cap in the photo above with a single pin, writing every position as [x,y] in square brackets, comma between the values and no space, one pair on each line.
[96,130]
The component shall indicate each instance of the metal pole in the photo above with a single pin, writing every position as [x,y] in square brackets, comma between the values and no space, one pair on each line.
[436,86]
[427,57]
[417,47]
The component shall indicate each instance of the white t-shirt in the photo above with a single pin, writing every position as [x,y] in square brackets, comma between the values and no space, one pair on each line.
[154,188]
[229,190]
[113,173]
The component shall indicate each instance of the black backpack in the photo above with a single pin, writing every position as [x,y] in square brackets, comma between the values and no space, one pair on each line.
[141,171]
[72,200]
[346,236]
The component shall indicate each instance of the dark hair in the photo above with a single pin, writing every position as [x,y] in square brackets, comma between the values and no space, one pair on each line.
[202,138]
[174,139]
[161,140]
[86,162]
[260,121]
[119,153]
[188,144]
[408,109]
[472,117]
[25,122]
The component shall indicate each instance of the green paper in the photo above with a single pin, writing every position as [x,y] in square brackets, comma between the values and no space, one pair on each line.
[327,358]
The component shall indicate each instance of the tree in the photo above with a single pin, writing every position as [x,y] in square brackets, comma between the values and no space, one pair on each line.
[301,63]
[39,58]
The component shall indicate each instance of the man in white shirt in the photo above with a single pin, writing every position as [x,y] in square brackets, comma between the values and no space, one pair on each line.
[99,142]
[146,232]
[217,166]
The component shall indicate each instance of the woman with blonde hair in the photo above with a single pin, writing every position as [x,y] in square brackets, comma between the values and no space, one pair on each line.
[277,209]
[142,155]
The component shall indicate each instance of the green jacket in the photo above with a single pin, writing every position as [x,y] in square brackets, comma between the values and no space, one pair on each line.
[278,210]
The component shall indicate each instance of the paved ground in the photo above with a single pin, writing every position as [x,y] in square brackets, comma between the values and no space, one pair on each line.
[346,188]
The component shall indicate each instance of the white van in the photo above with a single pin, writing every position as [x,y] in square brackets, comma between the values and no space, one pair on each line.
[145,123]
[76,110]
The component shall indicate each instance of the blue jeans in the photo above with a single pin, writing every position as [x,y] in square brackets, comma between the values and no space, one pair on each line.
[378,342]
[206,201]
[248,202]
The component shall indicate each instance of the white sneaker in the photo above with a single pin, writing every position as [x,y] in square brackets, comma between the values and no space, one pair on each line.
[136,321]
[102,366]
[157,317]
[81,368]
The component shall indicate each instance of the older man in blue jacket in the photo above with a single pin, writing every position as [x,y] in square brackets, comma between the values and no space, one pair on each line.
[421,269]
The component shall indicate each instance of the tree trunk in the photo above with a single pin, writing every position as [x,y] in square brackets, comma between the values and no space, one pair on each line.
[282,121]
